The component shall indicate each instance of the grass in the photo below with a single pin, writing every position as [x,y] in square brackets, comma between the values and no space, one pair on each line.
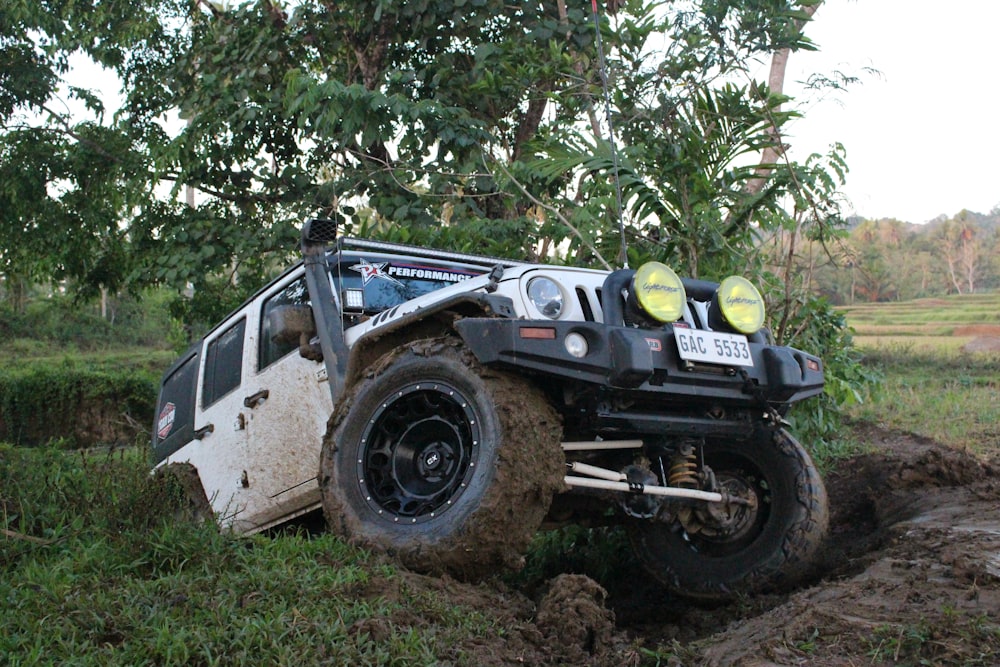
[948,639]
[932,386]
[944,312]
[95,569]
[950,397]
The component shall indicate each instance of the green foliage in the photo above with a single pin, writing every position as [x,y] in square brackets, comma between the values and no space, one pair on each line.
[951,397]
[889,260]
[72,376]
[424,116]
[61,322]
[943,638]
[469,125]
[823,331]
[603,554]
[75,405]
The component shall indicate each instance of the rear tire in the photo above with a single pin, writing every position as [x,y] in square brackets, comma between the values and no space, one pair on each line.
[769,547]
[446,465]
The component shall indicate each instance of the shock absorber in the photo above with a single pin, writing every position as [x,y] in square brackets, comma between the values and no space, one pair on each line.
[684,467]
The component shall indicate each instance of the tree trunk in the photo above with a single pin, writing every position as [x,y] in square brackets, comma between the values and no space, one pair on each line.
[776,84]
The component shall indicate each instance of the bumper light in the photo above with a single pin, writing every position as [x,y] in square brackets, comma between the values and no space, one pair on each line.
[576,345]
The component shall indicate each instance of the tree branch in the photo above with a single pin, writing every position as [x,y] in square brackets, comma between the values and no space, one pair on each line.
[563,219]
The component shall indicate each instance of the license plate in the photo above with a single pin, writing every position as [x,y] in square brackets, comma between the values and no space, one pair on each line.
[713,347]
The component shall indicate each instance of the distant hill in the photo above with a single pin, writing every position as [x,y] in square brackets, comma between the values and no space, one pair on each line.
[989,222]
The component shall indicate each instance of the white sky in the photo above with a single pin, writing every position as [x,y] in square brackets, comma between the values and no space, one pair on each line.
[923,137]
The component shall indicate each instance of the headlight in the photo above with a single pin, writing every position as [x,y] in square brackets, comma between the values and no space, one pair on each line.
[659,292]
[546,296]
[740,304]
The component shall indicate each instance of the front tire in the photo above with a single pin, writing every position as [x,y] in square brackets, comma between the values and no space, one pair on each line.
[446,465]
[767,547]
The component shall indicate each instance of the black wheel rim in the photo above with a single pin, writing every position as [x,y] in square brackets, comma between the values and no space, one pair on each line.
[418,452]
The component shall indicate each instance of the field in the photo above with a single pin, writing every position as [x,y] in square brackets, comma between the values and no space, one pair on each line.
[926,325]
[941,359]
[99,565]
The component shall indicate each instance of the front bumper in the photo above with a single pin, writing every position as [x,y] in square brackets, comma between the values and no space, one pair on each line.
[643,362]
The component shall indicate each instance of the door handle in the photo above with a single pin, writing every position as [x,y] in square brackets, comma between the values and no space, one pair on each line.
[253,400]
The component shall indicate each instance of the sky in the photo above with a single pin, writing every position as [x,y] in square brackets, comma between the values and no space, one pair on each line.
[923,134]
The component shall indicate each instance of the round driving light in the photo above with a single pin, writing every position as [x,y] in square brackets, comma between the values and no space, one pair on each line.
[741,305]
[659,292]
[576,345]
[546,296]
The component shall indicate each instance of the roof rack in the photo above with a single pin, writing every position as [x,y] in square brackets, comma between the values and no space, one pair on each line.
[350,243]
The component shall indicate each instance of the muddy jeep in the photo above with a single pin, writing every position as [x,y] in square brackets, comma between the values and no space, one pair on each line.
[443,407]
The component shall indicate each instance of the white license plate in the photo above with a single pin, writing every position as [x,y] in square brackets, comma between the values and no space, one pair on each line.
[713,347]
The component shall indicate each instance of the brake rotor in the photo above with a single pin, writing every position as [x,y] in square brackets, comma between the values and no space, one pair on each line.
[730,519]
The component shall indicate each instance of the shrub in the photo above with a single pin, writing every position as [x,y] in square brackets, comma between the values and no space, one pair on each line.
[78,406]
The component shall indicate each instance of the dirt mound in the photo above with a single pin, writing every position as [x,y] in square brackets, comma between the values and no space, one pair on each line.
[573,620]
[912,569]
[983,344]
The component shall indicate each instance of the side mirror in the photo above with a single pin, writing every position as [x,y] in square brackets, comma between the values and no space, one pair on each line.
[295,324]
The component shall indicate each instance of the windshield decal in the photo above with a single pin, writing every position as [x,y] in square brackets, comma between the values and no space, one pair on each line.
[370,270]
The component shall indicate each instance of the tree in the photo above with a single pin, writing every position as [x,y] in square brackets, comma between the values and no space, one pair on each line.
[464,123]
[960,249]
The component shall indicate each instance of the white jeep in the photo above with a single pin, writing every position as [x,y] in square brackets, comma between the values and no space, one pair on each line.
[443,407]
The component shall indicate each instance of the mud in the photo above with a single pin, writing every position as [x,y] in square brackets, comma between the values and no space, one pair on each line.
[910,575]
[983,344]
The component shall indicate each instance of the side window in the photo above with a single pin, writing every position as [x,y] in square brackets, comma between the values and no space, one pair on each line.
[296,294]
[175,409]
[223,363]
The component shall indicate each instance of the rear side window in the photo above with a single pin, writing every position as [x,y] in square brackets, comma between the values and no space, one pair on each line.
[223,363]
[174,424]
[295,294]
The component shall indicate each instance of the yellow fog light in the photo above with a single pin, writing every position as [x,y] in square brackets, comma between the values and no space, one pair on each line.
[741,305]
[659,292]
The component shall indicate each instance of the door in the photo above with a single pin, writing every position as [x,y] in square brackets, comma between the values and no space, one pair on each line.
[220,422]
[288,404]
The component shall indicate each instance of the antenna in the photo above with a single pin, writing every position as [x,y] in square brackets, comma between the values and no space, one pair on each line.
[611,133]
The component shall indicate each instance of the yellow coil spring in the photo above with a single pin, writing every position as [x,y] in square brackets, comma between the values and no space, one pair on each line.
[684,469]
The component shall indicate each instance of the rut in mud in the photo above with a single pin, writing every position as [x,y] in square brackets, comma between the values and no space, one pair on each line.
[910,573]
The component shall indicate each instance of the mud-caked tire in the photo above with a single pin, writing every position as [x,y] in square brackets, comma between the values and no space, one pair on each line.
[445,465]
[775,546]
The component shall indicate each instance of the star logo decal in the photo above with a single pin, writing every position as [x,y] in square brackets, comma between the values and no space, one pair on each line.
[372,270]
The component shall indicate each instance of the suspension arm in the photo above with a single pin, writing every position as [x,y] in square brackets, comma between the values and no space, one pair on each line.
[610,480]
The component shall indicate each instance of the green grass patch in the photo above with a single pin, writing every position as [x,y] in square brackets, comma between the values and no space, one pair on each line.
[949,639]
[946,395]
[77,404]
[96,569]
[911,344]
[931,386]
